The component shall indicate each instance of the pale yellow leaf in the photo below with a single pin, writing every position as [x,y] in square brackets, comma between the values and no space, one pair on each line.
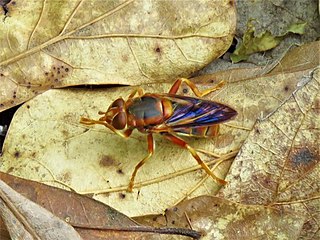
[52,44]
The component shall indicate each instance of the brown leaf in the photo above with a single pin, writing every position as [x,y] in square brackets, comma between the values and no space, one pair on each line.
[79,211]
[48,45]
[91,219]
[279,162]
[218,219]
[27,220]
[46,142]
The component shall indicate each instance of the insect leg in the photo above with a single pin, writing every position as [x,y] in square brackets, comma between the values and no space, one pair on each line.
[193,87]
[182,143]
[139,90]
[139,165]
[88,121]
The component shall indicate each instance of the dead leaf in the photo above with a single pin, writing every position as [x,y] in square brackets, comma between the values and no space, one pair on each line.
[46,143]
[221,219]
[91,219]
[48,45]
[27,220]
[279,162]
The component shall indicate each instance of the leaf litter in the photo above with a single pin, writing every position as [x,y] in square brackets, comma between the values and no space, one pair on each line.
[46,143]
[90,42]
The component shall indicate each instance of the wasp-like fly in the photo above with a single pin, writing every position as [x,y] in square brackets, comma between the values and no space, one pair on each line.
[169,115]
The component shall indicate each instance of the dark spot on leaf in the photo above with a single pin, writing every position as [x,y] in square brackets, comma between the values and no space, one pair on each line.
[158,49]
[17,154]
[56,80]
[12,102]
[175,209]
[286,88]
[303,156]
[107,161]
[28,106]
[125,58]
[67,69]
[58,72]
[11,169]
[173,222]
[46,73]
[65,133]
[66,177]
[120,171]
[62,66]
[308,225]
[34,154]
[257,131]
[122,196]
[317,106]
[54,68]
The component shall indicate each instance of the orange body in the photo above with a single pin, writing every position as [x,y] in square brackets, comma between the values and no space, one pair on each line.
[167,114]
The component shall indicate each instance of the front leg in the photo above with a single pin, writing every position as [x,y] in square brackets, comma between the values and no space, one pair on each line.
[139,165]
[138,90]
[125,134]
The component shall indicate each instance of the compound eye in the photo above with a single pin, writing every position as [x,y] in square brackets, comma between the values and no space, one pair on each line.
[118,103]
[119,121]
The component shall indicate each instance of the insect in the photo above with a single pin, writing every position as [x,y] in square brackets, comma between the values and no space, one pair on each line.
[169,115]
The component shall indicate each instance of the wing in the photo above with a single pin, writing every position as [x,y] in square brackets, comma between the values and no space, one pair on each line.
[195,112]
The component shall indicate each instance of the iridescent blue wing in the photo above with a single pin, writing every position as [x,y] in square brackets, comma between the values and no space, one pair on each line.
[195,112]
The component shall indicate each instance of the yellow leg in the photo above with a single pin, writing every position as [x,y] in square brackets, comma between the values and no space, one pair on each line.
[88,121]
[139,90]
[139,165]
[175,87]
[182,143]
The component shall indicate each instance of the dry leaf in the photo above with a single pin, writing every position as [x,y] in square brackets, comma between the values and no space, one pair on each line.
[219,219]
[91,219]
[279,162]
[49,45]
[27,220]
[45,142]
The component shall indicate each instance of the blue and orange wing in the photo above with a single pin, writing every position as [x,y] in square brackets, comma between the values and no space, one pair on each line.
[195,112]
